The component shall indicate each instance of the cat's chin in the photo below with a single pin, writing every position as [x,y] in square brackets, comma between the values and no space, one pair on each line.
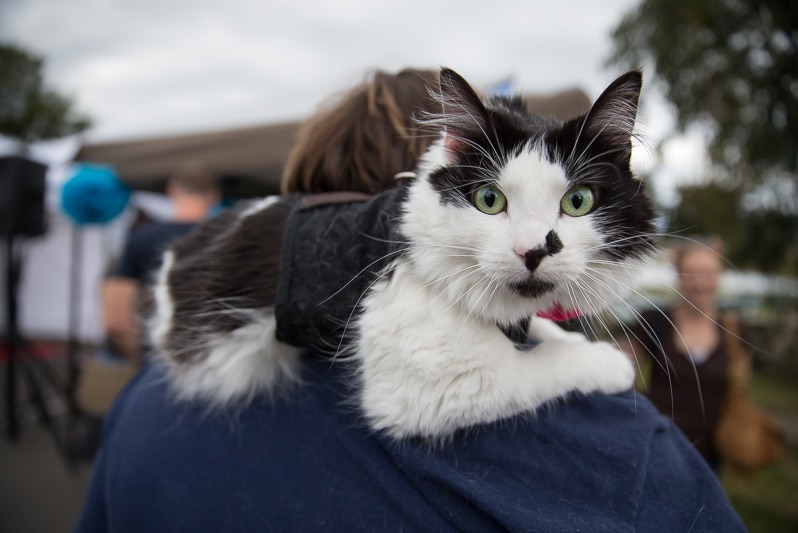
[533,287]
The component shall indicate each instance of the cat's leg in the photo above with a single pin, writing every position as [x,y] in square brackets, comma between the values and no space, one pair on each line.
[427,369]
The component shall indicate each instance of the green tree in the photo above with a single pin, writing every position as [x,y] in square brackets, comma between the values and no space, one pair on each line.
[760,239]
[30,111]
[730,64]
[707,209]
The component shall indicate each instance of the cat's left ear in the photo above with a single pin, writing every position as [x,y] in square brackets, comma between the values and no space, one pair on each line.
[612,116]
[464,116]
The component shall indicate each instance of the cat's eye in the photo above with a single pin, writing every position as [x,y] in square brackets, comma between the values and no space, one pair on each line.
[578,201]
[490,200]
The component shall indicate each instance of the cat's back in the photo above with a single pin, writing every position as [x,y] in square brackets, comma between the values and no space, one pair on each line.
[236,299]
[212,279]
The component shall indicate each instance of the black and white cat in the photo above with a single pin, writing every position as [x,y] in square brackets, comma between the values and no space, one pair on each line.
[429,290]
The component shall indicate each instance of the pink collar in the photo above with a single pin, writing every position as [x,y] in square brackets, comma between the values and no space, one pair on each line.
[558,314]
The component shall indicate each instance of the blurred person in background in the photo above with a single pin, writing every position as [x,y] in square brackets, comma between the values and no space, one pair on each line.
[688,346]
[306,462]
[193,191]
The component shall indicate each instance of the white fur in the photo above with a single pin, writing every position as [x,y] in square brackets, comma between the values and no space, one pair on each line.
[240,365]
[429,368]
[259,205]
[161,321]
[542,330]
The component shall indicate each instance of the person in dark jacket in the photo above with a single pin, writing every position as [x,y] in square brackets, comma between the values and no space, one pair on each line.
[306,461]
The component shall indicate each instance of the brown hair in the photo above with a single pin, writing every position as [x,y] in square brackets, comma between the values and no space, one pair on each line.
[194,178]
[362,140]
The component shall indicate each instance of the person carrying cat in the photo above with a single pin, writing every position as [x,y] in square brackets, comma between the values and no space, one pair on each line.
[435,283]
[314,456]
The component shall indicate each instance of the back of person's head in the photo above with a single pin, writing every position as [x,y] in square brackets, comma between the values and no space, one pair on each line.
[194,178]
[360,141]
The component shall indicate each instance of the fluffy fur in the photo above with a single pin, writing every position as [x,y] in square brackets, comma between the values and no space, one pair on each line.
[427,336]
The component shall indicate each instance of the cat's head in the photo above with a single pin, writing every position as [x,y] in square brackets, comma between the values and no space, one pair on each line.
[514,214]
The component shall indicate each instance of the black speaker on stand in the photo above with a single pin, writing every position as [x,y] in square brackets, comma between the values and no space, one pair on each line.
[22,190]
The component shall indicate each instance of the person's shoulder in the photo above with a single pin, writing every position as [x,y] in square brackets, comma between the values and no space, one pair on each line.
[732,320]
[618,459]
[604,417]
[669,484]
[583,461]
[148,231]
[567,466]
[149,238]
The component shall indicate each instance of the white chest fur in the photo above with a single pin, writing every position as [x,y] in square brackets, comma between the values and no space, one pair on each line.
[429,368]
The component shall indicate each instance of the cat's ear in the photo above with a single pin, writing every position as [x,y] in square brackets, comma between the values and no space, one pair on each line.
[612,116]
[464,117]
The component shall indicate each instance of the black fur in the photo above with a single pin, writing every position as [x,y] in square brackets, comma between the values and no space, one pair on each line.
[214,275]
[533,287]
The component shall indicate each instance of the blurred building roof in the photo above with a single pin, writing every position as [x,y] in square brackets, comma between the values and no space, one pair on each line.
[249,160]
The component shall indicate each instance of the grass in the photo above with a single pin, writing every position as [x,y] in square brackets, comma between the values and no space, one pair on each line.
[775,391]
[767,500]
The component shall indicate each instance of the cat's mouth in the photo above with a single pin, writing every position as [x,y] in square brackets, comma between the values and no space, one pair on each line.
[533,287]
[558,314]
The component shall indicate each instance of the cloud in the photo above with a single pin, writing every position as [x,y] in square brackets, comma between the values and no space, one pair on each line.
[144,67]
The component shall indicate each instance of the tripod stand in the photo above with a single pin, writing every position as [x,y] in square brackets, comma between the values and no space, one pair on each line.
[22,187]
[23,360]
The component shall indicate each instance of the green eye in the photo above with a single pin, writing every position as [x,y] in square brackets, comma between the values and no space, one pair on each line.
[578,201]
[490,200]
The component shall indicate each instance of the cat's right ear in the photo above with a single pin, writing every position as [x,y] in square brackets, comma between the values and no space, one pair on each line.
[464,116]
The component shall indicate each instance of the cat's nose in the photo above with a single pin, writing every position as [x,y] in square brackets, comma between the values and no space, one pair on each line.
[532,258]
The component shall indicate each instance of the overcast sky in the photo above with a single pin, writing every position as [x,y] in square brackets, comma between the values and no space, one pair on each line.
[149,67]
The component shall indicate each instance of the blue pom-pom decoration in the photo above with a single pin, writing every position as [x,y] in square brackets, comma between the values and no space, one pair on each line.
[94,195]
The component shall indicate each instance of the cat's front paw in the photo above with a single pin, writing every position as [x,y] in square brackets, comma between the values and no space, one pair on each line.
[543,329]
[573,337]
[612,369]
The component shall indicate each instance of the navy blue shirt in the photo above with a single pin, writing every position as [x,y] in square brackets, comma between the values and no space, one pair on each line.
[305,462]
[145,247]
